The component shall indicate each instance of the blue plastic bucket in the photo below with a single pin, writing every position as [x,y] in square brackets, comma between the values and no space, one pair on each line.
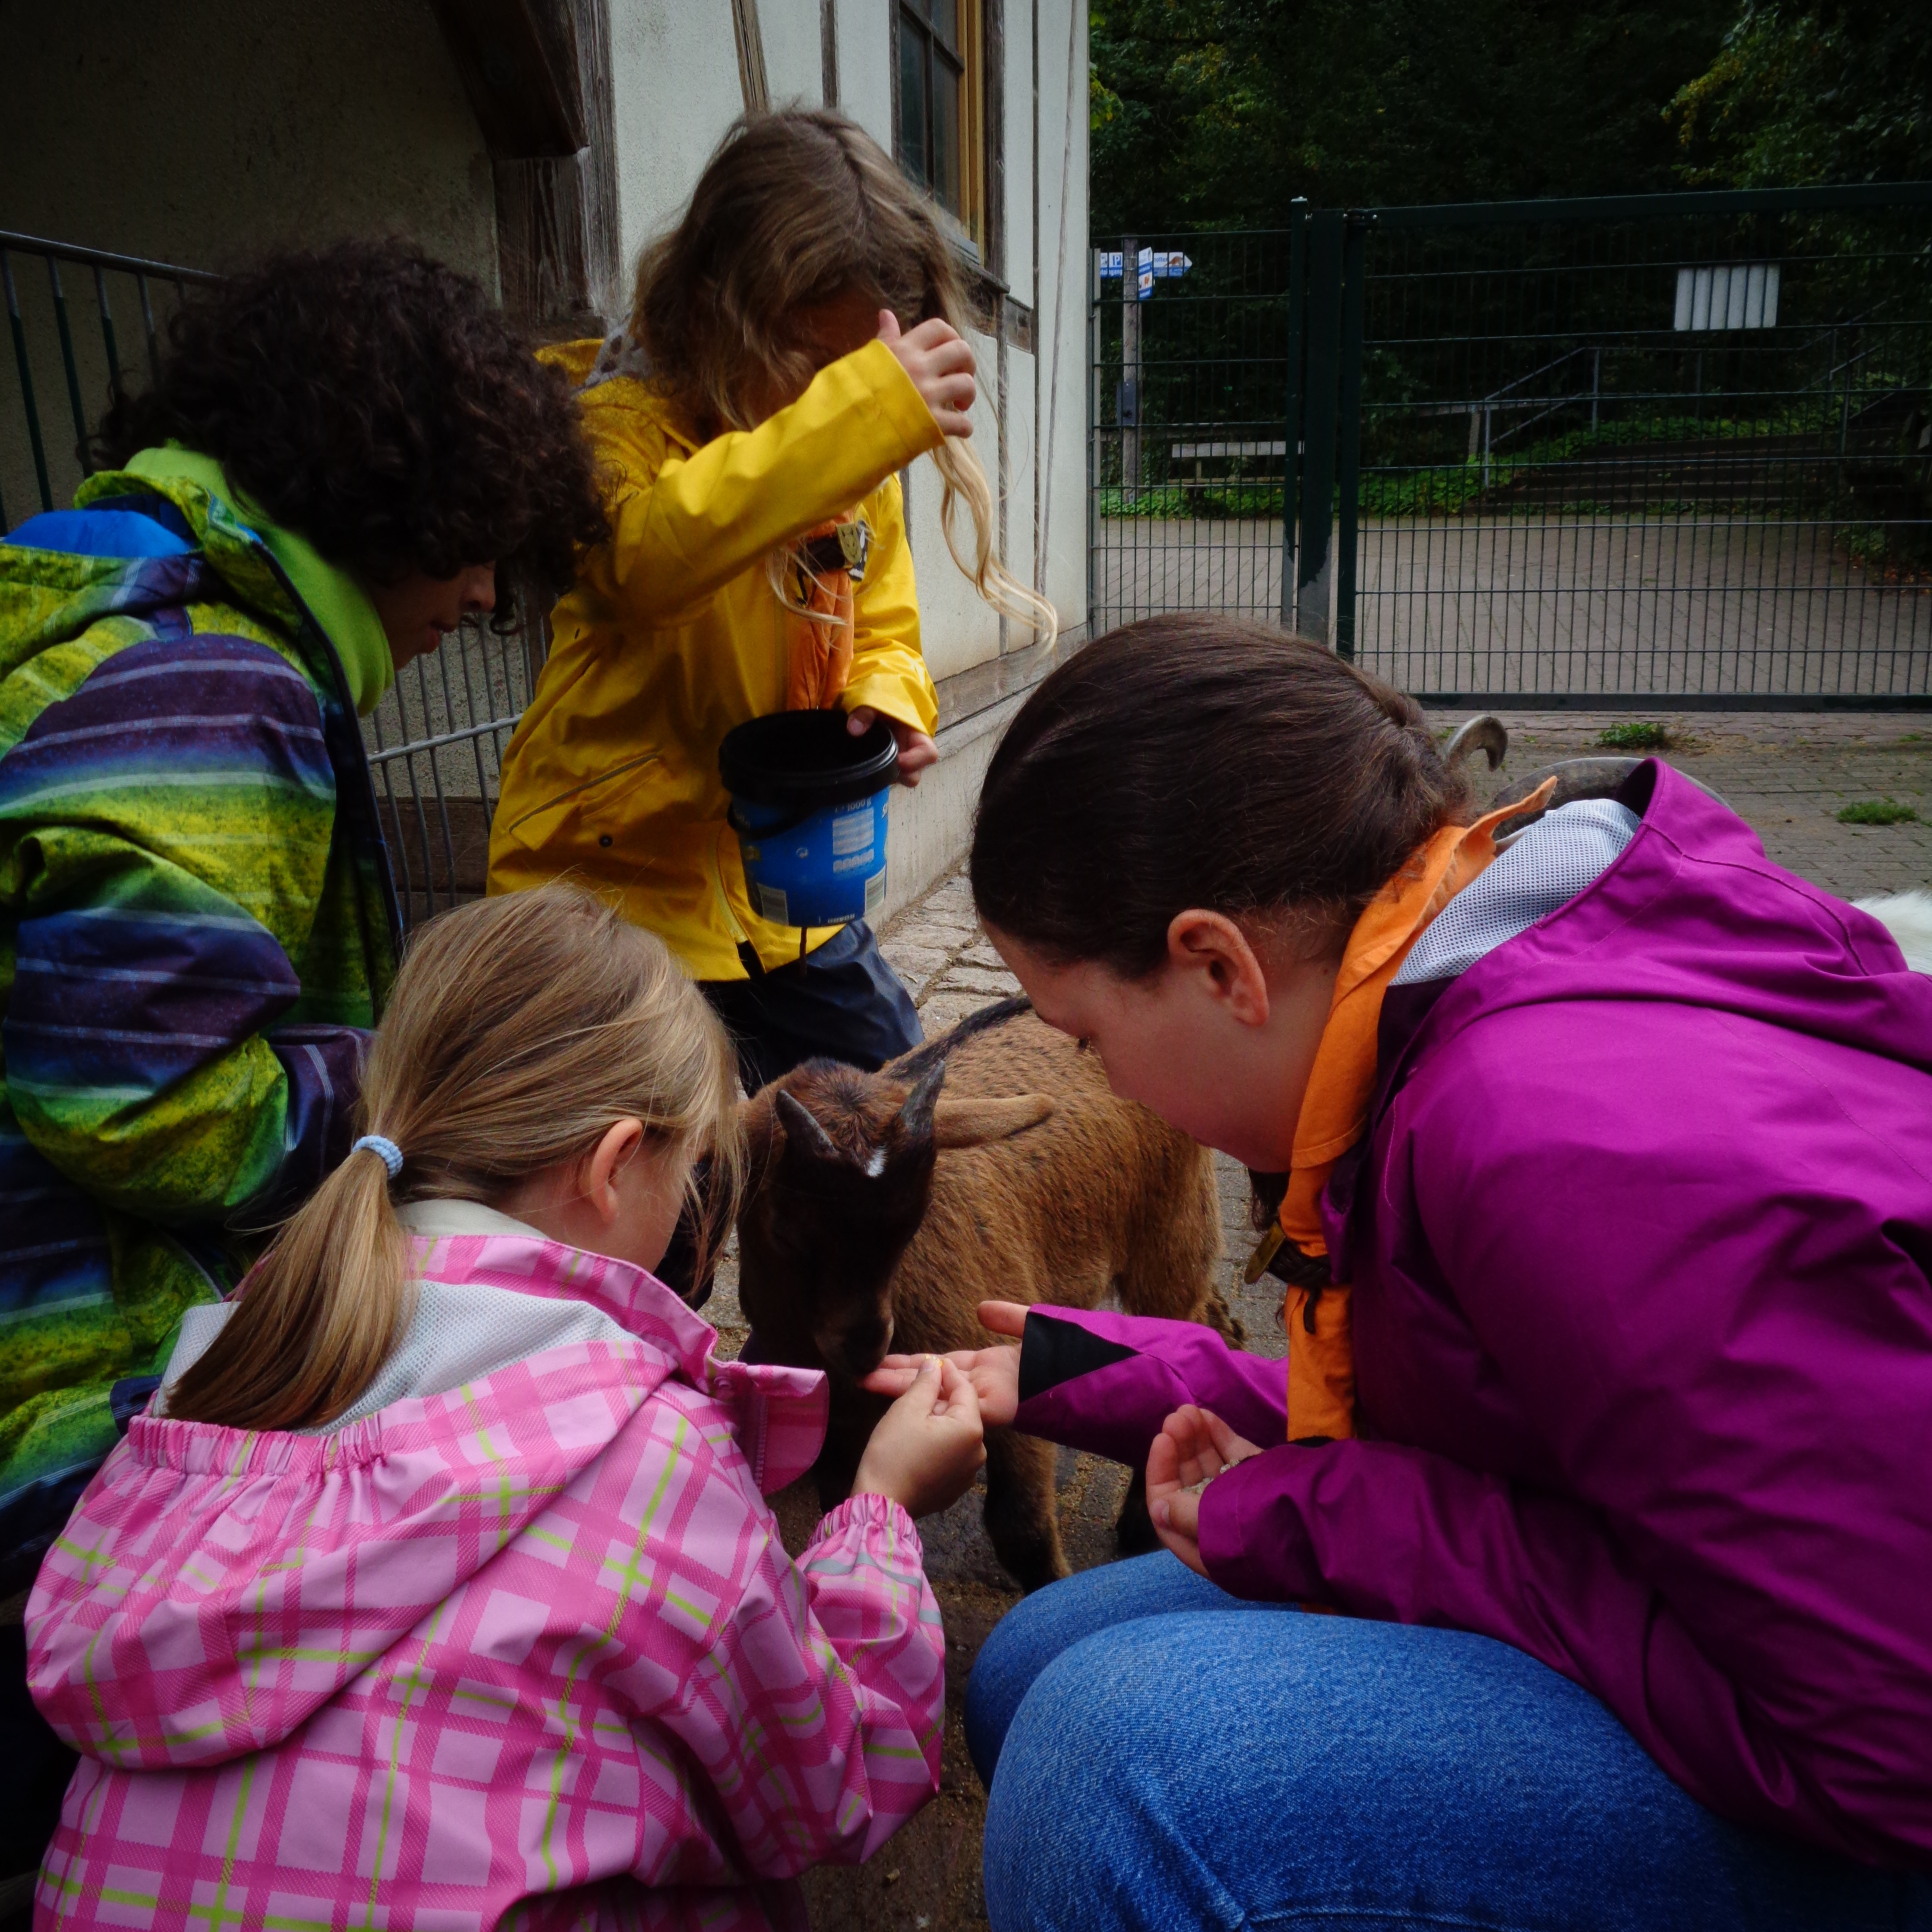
[808,806]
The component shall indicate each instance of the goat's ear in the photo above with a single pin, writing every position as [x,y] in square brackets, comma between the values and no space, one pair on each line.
[915,1116]
[965,1123]
[803,1133]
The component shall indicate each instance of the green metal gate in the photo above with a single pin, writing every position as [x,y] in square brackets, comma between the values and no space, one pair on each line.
[1671,449]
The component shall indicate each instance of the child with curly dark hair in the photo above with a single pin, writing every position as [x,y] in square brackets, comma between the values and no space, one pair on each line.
[197,927]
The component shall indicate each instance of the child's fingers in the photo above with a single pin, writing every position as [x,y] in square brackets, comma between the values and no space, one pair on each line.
[888,326]
[956,1392]
[952,392]
[890,1378]
[953,357]
[932,334]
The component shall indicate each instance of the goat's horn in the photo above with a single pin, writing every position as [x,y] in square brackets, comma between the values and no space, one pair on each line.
[916,1115]
[802,1128]
[1487,734]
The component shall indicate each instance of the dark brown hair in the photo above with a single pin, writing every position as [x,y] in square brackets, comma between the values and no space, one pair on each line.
[376,403]
[1201,760]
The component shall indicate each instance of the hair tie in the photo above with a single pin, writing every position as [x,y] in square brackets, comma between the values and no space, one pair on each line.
[379,1144]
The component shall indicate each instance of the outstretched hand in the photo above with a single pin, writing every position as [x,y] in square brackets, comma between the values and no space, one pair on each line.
[917,750]
[928,1446]
[1193,1448]
[994,1373]
[939,361]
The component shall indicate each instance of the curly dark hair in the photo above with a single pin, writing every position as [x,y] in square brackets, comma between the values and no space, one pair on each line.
[377,402]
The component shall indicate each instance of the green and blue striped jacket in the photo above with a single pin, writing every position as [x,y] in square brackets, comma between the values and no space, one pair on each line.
[197,930]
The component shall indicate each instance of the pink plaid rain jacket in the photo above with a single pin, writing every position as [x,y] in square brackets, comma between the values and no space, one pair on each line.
[530,1652]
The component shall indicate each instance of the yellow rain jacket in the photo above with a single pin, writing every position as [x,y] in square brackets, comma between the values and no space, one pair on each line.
[674,635]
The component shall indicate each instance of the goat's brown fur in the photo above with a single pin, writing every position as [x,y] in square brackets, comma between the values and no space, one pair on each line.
[842,1259]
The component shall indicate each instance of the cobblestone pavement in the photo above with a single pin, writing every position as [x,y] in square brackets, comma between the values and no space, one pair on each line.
[1788,777]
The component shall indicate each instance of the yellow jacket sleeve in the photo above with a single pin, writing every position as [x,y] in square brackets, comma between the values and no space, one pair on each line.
[705,516]
[888,672]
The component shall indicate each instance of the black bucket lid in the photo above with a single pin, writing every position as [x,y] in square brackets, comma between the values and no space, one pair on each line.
[806,759]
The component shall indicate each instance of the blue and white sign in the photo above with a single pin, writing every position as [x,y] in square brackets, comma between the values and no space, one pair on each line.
[1150,266]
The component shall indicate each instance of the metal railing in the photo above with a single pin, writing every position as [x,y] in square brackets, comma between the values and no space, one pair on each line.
[436,739]
[85,361]
[1604,452]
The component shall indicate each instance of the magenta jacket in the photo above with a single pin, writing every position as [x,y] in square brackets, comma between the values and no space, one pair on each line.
[1640,1238]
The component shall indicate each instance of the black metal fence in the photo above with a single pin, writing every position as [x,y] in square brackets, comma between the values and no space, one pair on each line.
[1673,448]
[1190,403]
[436,741]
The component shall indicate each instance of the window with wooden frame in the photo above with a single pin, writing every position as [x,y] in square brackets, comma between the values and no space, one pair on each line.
[939,97]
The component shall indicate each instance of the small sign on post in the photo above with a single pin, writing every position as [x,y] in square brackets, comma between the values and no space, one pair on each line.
[1150,266]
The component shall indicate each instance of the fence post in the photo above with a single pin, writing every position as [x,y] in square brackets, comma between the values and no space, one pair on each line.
[26,372]
[1348,432]
[1129,411]
[72,372]
[1096,469]
[1314,563]
[1290,434]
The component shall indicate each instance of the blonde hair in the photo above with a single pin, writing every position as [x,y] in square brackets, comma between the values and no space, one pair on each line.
[521,1029]
[795,209]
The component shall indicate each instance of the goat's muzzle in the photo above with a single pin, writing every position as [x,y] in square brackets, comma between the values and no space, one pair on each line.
[859,1347]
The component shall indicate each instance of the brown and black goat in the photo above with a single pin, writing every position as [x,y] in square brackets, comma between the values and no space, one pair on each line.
[880,1213]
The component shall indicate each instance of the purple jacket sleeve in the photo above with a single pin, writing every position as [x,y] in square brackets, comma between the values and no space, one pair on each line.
[1106,1382]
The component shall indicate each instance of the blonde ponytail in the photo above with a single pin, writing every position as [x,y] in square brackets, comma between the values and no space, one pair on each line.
[521,1029]
[320,1313]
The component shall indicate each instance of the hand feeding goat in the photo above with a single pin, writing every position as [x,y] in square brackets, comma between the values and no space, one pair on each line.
[879,1214]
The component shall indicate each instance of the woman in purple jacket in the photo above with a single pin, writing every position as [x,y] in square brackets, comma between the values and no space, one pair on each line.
[1631,1521]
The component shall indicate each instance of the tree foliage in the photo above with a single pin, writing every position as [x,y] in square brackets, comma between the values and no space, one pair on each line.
[1215,113]
[1821,94]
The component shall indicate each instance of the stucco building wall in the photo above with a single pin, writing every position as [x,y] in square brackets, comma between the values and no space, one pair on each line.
[201,134]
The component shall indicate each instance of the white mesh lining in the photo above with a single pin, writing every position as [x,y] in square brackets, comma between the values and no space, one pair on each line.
[461,1330]
[1541,870]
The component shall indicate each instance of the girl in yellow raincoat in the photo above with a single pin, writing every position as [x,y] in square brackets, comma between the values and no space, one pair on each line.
[793,343]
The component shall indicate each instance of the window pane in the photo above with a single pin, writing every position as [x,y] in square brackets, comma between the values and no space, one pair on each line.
[915,155]
[946,17]
[946,132]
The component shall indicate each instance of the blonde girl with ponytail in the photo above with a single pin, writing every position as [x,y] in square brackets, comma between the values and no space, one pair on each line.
[795,341]
[447,1534]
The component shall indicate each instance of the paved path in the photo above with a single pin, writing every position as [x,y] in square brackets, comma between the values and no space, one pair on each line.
[1577,604]
[1788,777]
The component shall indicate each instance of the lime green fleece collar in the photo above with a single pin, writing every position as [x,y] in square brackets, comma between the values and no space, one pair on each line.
[337,602]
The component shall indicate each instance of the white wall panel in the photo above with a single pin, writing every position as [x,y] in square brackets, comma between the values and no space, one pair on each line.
[794,63]
[865,66]
[674,73]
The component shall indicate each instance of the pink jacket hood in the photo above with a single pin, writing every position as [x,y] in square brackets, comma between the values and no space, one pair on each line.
[256,1596]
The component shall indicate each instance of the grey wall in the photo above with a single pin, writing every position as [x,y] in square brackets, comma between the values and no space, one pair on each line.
[199,132]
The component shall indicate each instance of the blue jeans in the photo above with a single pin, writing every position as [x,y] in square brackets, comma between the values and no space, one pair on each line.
[1168,1757]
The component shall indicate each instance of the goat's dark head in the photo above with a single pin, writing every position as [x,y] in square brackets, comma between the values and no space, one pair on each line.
[841,1170]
